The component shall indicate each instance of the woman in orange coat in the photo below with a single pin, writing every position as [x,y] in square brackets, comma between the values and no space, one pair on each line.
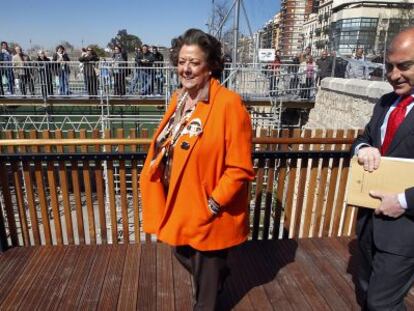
[194,182]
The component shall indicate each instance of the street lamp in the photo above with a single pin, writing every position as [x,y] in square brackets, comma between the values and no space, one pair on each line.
[384,26]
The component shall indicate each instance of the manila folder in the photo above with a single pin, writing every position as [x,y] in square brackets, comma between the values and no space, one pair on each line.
[394,175]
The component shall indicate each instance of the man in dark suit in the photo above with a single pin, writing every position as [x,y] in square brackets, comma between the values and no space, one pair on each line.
[386,235]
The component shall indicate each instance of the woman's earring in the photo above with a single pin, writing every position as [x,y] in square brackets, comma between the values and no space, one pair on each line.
[209,73]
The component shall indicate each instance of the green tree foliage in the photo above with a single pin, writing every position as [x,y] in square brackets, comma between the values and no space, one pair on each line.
[68,47]
[127,41]
[34,50]
[12,45]
[99,51]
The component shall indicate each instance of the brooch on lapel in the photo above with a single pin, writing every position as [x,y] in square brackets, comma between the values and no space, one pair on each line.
[194,128]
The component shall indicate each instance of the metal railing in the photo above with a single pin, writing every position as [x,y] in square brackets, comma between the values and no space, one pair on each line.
[107,78]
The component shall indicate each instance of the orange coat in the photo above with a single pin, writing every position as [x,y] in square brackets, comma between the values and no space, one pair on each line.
[216,163]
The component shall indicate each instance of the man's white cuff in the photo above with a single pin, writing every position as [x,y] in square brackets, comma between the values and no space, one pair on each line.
[402,199]
[358,147]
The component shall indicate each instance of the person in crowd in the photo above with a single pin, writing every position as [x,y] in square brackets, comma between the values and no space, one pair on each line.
[120,59]
[340,64]
[62,69]
[307,71]
[274,73]
[293,70]
[356,67]
[105,74]
[159,76]
[174,80]
[45,73]
[377,73]
[307,52]
[7,69]
[227,67]
[23,70]
[90,61]
[146,61]
[324,64]
[136,77]
[194,182]
[385,235]
[1,77]
[82,67]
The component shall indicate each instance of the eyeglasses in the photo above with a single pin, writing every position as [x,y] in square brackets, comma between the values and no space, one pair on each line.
[401,66]
[89,50]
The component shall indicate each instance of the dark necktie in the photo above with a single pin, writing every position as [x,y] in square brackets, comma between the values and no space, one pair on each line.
[394,121]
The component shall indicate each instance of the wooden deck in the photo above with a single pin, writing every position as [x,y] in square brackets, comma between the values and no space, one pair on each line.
[305,274]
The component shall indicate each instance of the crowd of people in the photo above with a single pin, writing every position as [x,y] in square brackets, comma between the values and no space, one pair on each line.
[303,73]
[19,71]
[300,74]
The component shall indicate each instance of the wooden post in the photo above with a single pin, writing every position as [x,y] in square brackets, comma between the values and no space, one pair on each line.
[3,236]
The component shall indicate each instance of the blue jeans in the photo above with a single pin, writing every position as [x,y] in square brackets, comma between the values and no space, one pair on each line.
[147,82]
[63,83]
[10,79]
[133,86]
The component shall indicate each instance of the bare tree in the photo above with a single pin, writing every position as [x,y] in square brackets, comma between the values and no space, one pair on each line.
[406,14]
[219,13]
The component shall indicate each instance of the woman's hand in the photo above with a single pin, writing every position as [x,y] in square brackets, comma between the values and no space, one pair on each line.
[213,206]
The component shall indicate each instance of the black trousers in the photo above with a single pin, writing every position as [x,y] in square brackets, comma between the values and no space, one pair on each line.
[26,80]
[91,84]
[209,270]
[119,83]
[384,279]
[1,85]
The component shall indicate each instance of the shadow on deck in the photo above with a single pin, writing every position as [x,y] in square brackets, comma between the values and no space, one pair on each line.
[302,274]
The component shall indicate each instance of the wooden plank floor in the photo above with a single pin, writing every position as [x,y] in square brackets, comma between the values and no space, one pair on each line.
[309,274]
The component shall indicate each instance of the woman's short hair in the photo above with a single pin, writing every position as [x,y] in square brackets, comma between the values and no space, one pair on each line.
[60,47]
[207,43]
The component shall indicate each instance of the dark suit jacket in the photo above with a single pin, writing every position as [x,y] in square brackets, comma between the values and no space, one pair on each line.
[391,235]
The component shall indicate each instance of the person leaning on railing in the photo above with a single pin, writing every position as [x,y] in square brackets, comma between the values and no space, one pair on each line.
[23,71]
[119,70]
[90,61]
[324,64]
[274,74]
[158,77]
[145,61]
[45,73]
[6,69]
[62,70]
[307,72]
[194,182]
[1,77]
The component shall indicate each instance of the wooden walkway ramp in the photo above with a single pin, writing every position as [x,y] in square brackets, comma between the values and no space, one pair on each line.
[304,274]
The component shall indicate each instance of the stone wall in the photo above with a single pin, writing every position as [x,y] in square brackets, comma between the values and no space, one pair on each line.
[345,103]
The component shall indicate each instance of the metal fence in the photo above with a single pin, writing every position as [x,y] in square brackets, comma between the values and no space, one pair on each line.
[106,78]
[107,82]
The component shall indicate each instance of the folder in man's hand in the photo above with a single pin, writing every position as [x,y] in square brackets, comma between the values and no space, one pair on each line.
[394,175]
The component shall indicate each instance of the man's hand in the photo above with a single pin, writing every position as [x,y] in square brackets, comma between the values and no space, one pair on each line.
[369,157]
[390,206]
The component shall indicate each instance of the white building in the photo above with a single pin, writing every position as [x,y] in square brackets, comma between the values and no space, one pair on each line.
[367,24]
[310,36]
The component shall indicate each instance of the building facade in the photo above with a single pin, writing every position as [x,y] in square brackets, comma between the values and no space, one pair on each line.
[336,25]
[367,24]
[316,29]
[292,17]
[276,31]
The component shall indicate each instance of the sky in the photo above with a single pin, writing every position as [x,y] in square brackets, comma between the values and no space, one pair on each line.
[48,22]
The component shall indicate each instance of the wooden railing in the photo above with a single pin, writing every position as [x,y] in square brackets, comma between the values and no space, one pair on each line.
[61,188]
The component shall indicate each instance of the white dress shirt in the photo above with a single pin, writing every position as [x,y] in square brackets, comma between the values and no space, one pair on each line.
[401,196]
